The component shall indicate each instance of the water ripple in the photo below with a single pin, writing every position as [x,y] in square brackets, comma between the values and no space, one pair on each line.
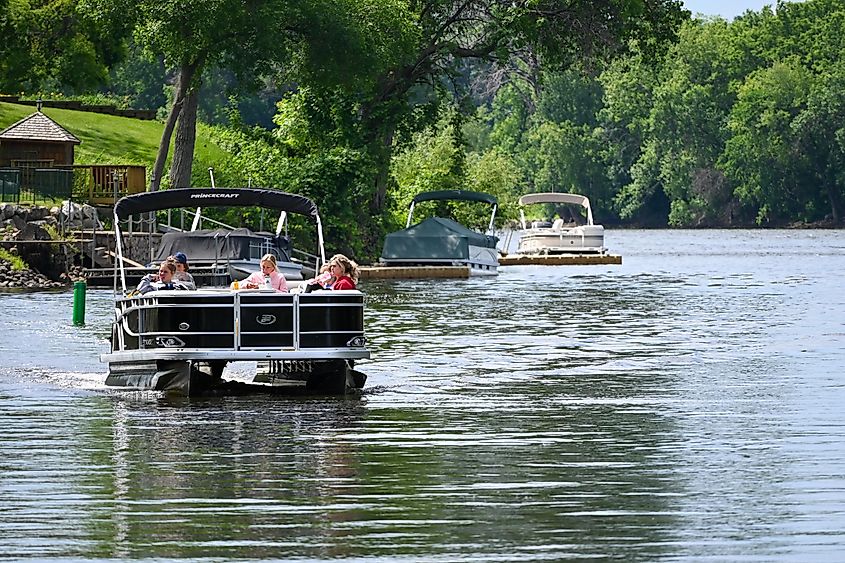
[685,406]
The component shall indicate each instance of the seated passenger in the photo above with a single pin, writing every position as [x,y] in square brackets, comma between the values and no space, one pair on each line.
[182,275]
[161,280]
[268,268]
[323,281]
[345,272]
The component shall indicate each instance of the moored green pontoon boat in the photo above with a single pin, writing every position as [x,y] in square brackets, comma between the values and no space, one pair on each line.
[438,241]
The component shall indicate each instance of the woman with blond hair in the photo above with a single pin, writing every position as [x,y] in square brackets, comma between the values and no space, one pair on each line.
[268,269]
[345,272]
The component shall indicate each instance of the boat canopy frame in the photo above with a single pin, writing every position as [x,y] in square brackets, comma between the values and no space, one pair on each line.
[212,197]
[454,195]
[555,197]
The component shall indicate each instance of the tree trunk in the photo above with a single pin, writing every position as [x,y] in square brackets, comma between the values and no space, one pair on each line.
[831,197]
[183,81]
[384,151]
[186,135]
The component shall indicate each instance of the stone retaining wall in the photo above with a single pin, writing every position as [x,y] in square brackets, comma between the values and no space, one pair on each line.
[26,232]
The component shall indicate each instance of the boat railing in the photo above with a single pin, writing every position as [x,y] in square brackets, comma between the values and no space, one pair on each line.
[238,322]
[505,241]
[305,258]
[257,250]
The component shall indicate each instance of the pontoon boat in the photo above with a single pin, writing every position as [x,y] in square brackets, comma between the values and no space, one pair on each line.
[439,241]
[568,230]
[183,340]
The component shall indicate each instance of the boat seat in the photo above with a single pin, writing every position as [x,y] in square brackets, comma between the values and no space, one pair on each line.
[541,224]
[558,224]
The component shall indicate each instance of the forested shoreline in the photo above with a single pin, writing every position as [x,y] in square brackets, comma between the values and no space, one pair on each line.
[660,118]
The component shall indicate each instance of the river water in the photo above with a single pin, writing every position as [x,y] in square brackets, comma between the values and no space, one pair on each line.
[686,405]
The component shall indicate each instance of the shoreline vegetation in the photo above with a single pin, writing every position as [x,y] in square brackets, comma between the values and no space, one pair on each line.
[59,269]
[663,119]
[694,122]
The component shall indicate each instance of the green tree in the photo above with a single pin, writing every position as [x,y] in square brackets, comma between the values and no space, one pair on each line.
[432,161]
[312,40]
[687,123]
[10,51]
[808,32]
[139,79]
[820,134]
[452,32]
[54,45]
[763,157]
[628,85]
[495,172]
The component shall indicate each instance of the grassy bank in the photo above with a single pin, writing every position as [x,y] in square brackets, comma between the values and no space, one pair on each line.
[109,139]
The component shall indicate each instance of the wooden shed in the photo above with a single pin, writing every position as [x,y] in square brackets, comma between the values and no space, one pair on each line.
[36,141]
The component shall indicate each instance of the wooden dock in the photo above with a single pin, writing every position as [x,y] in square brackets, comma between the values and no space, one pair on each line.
[559,259]
[412,272]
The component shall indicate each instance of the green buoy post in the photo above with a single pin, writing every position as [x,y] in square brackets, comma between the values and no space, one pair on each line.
[79,303]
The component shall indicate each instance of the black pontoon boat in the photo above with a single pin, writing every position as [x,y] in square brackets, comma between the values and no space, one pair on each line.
[183,340]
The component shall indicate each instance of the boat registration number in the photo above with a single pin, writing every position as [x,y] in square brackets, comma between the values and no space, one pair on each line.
[291,366]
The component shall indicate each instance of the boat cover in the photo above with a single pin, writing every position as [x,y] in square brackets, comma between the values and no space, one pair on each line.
[214,197]
[435,238]
[218,244]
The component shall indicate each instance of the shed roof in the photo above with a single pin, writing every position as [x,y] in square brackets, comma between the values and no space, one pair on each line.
[37,127]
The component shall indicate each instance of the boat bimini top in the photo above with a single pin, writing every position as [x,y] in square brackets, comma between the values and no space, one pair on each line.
[447,195]
[214,197]
[554,197]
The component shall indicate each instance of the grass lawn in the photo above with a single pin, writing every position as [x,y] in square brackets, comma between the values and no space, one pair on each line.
[109,139]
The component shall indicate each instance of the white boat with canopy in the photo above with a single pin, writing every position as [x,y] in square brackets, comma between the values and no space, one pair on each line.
[566,227]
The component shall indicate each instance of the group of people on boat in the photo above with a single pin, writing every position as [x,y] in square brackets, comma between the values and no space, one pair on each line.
[172,274]
[338,273]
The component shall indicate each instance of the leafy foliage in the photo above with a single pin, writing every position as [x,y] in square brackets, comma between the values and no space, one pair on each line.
[16,262]
[658,118]
[53,45]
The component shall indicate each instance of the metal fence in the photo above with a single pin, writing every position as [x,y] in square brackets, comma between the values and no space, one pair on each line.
[93,184]
[50,183]
[10,185]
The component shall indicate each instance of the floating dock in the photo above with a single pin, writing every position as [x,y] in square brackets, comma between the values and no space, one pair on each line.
[559,259]
[411,272]
[433,272]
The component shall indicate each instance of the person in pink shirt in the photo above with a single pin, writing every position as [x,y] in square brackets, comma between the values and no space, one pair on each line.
[268,268]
